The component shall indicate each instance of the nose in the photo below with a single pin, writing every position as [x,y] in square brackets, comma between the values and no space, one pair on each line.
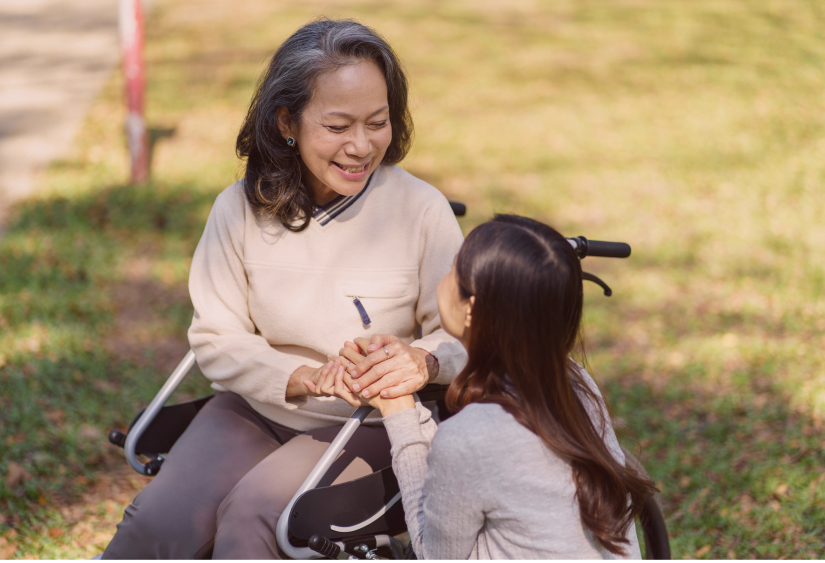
[359,144]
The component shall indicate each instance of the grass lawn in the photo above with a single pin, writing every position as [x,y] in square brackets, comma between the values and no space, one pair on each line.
[692,129]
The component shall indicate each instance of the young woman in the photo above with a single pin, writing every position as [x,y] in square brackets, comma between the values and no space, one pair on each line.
[324,239]
[530,467]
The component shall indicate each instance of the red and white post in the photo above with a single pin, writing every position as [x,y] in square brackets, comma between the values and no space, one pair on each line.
[131,43]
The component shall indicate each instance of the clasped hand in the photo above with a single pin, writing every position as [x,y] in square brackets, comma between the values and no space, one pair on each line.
[364,373]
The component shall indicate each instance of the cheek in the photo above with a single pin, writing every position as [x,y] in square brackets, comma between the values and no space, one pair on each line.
[446,307]
[440,298]
[384,138]
[317,143]
[323,148]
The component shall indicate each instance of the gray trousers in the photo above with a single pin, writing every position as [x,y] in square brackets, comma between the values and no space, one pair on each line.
[226,481]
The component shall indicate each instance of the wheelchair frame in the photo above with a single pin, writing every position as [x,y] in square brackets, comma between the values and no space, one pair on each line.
[655,531]
[179,415]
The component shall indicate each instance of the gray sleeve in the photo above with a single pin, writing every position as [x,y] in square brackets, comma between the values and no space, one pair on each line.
[443,509]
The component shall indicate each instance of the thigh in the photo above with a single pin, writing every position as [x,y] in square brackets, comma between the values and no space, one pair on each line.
[175,515]
[249,514]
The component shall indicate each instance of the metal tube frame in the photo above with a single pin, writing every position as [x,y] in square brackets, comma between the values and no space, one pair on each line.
[153,409]
[314,477]
[312,480]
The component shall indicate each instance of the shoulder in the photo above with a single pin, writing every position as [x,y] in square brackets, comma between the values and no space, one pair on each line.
[594,404]
[415,191]
[231,202]
[401,179]
[480,427]
[597,411]
[232,199]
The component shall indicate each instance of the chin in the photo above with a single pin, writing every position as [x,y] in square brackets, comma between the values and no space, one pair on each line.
[353,190]
[348,188]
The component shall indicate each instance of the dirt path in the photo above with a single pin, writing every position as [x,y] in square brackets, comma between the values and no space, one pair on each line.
[54,57]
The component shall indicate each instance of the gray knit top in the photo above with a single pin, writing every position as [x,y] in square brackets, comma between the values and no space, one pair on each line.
[485,487]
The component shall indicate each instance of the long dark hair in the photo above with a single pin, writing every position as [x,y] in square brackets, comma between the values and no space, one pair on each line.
[527,283]
[272,181]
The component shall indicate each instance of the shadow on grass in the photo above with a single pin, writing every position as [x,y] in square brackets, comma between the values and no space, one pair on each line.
[716,424]
[739,476]
[738,468]
[156,135]
[126,209]
[79,277]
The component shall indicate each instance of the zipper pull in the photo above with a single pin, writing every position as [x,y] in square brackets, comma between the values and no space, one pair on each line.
[365,318]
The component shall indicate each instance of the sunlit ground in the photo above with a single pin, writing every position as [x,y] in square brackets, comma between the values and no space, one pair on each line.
[694,130]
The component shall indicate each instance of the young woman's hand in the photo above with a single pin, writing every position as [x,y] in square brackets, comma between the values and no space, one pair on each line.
[390,369]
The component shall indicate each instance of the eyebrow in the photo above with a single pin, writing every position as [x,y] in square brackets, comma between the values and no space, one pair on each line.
[343,114]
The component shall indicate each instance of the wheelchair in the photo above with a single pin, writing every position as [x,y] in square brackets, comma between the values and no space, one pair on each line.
[358,519]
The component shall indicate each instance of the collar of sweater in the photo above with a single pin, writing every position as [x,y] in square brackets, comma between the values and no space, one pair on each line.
[326,213]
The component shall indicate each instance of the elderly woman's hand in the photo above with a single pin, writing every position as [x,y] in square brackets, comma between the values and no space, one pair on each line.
[343,389]
[315,382]
[391,368]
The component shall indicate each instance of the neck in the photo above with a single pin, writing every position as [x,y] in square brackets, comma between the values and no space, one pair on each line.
[321,193]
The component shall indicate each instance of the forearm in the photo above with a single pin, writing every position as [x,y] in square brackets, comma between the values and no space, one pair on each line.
[440,506]
[243,363]
[410,447]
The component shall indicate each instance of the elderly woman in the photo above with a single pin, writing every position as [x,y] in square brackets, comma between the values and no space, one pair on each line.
[323,241]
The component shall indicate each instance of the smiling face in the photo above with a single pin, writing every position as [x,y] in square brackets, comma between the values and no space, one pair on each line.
[344,131]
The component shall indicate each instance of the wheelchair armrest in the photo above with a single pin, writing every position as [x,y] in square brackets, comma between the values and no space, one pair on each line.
[432,392]
[149,414]
[312,480]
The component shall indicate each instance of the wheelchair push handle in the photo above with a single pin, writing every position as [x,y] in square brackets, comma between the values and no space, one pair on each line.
[601,248]
[608,249]
[605,249]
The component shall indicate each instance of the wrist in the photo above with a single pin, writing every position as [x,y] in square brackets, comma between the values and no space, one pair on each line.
[390,406]
[295,386]
[432,364]
[432,367]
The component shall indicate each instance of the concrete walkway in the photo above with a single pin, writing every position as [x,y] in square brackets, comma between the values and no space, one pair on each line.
[54,57]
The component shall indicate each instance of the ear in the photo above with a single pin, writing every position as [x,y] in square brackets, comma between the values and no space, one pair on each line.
[468,313]
[285,124]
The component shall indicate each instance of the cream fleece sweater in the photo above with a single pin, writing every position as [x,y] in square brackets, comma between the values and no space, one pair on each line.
[485,487]
[268,301]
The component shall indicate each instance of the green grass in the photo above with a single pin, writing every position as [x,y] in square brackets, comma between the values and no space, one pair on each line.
[692,129]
